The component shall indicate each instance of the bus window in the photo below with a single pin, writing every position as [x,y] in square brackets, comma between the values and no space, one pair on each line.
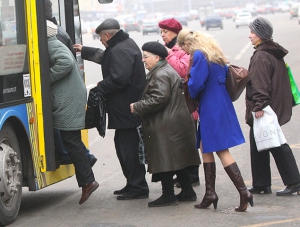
[55,11]
[8,23]
[77,22]
[13,84]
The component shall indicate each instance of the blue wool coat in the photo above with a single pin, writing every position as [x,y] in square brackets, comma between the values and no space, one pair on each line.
[219,128]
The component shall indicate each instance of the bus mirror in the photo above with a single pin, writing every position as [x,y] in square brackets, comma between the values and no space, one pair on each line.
[105,1]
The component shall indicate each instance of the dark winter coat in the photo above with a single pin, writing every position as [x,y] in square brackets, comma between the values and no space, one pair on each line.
[268,82]
[168,127]
[68,88]
[123,78]
[63,36]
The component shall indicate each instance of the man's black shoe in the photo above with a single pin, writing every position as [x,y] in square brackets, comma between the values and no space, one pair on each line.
[258,190]
[133,195]
[122,191]
[289,190]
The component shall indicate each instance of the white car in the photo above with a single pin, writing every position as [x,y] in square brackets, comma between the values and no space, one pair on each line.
[243,19]
[284,7]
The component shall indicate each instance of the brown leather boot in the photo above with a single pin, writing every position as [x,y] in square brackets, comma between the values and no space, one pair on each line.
[246,197]
[87,190]
[210,196]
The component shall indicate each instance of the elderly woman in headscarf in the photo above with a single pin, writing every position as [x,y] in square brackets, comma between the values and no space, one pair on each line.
[167,125]
[180,61]
[269,85]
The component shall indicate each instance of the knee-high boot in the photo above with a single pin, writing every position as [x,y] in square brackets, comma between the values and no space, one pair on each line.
[210,196]
[246,197]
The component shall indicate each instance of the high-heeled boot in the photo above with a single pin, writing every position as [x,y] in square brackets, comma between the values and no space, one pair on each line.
[210,196]
[246,197]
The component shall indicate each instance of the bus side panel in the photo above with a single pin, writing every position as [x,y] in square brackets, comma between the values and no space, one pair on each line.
[47,178]
[24,118]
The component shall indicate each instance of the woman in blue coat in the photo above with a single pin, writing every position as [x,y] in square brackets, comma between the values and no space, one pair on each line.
[219,128]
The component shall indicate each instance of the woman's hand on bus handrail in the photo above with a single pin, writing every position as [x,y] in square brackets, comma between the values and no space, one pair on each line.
[77,47]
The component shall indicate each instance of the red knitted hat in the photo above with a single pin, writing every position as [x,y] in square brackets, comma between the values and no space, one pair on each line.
[171,24]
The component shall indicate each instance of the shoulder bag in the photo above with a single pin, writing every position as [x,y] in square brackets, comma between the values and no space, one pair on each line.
[236,81]
[191,103]
[294,88]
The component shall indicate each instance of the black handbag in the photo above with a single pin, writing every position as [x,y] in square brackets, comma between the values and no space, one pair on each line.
[95,115]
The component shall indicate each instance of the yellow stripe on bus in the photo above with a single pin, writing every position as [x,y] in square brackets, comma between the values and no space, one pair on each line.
[33,47]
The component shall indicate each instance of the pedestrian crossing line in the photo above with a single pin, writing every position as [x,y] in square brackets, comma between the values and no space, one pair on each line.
[249,182]
[295,145]
[273,223]
[242,51]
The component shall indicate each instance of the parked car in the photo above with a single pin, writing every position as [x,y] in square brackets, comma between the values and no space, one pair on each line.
[182,19]
[150,26]
[294,10]
[122,18]
[243,19]
[229,14]
[194,13]
[269,9]
[214,21]
[188,16]
[284,7]
[261,10]
[253,12]
[131,25]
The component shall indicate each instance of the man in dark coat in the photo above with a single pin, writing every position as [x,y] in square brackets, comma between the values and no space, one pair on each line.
[123,83]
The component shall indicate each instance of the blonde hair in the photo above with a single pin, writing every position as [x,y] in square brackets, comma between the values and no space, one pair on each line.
[203,42]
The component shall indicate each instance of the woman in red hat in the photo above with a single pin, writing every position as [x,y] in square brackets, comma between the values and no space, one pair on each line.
[177,58]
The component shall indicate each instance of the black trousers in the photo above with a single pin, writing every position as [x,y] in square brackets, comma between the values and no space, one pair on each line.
[193,172]
[260,164]
[126,143]
[76,150]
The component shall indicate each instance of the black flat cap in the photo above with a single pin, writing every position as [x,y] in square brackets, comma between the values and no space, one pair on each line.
[155,48]
[109,23]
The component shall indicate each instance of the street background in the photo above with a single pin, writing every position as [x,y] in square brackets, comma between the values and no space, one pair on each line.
[58,205]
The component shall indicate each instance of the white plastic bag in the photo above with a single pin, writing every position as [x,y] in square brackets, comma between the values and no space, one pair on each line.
[267,131]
